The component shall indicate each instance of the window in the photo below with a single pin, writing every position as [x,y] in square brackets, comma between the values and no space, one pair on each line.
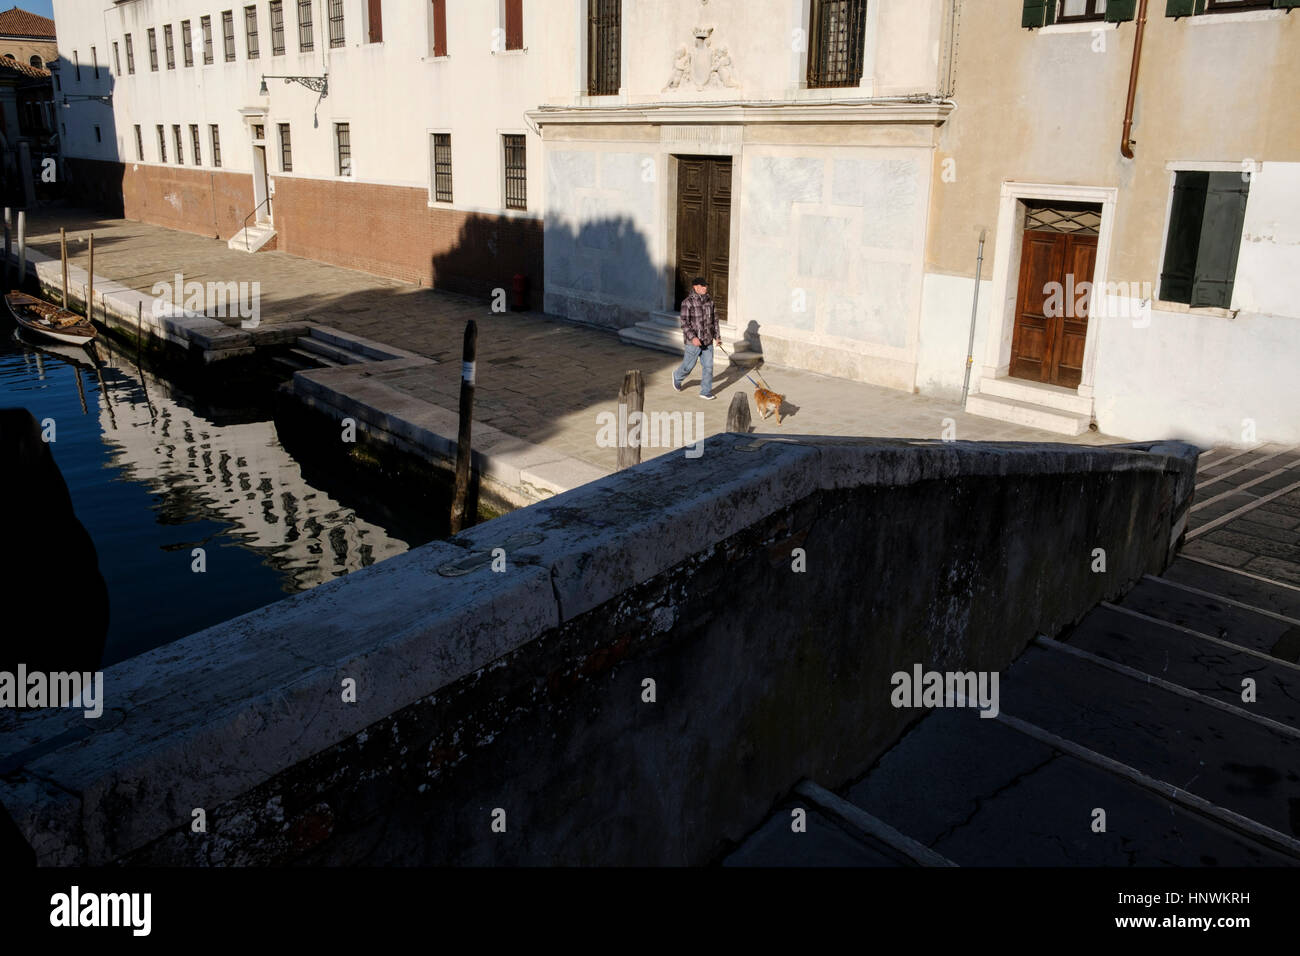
[194,144]
[250,31]
[305,41]
[176,135]
[441,167]
[187,43]
[117,59]
[516,172]
[153,49]
[169,47]
[375,21]
[439,27]
[836,38]
[1078,10]
[1229,6]
[76,62]
[277,28]
[228,33]
[286,150]
[139,144]
[1044,13]
[259,132]
[37,62]
[604,59]
[336,22]
[1205,225]
[98,136]
[343,140]
[162,146]
[130,55]
[514,24]
[216,145]
[205,24]
[94,61]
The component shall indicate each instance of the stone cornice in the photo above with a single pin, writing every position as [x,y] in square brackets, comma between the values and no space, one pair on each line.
[902,110]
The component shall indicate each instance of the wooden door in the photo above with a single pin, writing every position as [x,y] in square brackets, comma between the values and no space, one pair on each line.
[1052,306]
[704,227]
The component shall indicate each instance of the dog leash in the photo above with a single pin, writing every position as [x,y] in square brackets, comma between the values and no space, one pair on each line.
[756,372]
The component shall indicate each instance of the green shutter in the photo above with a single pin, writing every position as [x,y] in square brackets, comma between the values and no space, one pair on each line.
[1221,226]
[1182,8]
[1120,10]
[1184,236]
[1286,4]
[1038,13]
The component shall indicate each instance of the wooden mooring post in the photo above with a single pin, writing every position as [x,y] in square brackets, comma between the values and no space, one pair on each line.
[63,257]
[463,503]
[738,414]
[22,248]
[90,282]
[631,398]
[8,224]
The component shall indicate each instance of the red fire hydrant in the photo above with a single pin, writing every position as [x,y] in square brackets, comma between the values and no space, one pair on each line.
[520,298]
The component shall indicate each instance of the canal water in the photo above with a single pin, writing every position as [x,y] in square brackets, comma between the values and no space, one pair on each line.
[155,472]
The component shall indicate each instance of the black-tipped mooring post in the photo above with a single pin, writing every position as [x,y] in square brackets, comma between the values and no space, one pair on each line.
[461,503]
[738,414]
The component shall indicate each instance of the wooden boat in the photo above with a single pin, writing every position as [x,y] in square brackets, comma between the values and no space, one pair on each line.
[48,320]
[75,354]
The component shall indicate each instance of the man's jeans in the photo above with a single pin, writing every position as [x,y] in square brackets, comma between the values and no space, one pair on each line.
[705,357]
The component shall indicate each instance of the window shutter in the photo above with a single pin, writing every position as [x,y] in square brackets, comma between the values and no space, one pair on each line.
[1286,4]
[439,27]
[514,24]
[1221,225]
[1184,8]
[1038,13]
[1118,11]
[1184,235]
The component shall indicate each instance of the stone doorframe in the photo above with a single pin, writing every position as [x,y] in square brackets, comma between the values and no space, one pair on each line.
[1006,271]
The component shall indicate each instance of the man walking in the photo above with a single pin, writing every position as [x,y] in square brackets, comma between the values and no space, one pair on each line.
[700,330]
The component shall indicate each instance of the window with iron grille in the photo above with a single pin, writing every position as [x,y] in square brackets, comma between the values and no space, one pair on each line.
[176,135]
[228,33]
[216,145]
[836,36]
[139,144]
[76,63]
[169,46]
[277,28]
[250,31]
[343,142]
[162,145]
[336,22]
[514,24]
[286,150]
[604,38]
[516,171]
[94,61]
[305,37]
[187,43]
[117,59]
[130,55]
[259,132]
[206,24]
[442,167]
[153,49]
[194,144]
[375,21]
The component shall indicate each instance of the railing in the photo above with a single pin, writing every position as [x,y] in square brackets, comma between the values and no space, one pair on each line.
[264,202]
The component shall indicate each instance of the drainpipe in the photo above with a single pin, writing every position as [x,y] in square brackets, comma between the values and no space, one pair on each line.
[974,308]
[1125,143]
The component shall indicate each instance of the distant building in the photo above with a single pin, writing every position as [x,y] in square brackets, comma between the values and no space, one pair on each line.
[27,114]
[415,161]
[28,38]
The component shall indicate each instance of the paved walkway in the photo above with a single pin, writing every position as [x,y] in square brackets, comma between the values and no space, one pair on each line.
[539,378]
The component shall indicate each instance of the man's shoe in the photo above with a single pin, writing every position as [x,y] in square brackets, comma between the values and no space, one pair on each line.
[708,398]
[676,387]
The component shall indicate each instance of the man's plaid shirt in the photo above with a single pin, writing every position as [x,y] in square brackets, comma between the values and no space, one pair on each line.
[699,321]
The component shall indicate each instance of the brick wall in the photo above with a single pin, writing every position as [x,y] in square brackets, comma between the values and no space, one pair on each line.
[392,231]
[207,202]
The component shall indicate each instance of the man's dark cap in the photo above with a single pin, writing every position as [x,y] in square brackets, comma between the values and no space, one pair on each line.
[699,280]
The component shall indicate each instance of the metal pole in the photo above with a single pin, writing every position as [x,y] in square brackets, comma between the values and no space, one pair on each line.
[22,248]
[63,256]
[974,306]
[464,506]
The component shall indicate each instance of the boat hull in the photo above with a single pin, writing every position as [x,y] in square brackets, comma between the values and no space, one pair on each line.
[27,312]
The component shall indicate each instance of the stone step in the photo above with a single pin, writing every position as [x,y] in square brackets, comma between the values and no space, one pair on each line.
[1023,413]
[1216,615]
[1231,761]
[1215,670]
[823,843]
[292,364]
[1036,393]
[983,794]
[251,238]
[315,358]
[336,355]
[1277,598]
[653,335]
